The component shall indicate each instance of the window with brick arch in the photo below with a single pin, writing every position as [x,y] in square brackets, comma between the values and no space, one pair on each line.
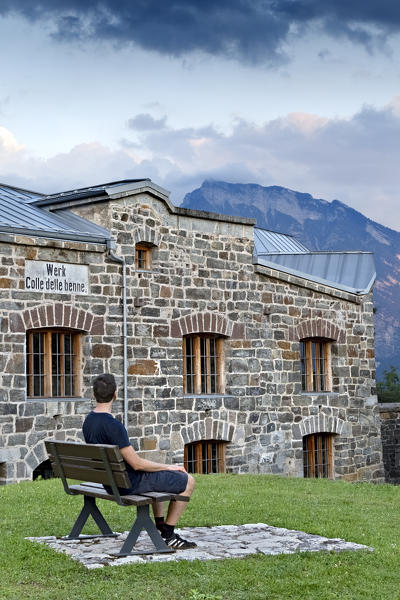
[203,364]
[53,363]
[318,455]
[206,456]
[315,360]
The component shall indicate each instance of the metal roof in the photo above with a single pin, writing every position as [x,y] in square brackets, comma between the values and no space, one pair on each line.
[86,192]
[14,193]
[352,272]
[266,241]
[76,223]
[22,211]
[18,217]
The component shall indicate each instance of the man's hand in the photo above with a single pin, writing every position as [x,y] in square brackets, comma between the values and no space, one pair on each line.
[175,468]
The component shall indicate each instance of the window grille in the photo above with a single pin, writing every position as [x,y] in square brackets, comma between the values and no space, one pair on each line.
[315,361]
[318,455]
[203,365]
[52,364]
[205,457]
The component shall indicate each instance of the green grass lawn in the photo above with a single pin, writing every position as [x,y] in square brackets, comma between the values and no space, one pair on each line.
[364,513]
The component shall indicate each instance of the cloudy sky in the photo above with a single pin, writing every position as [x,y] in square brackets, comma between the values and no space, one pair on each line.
[299,93]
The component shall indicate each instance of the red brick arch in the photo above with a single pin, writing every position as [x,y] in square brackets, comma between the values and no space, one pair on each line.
[317,328]
[56,315]
[207,322]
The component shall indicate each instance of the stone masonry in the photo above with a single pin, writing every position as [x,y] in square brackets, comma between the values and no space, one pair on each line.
[202,279]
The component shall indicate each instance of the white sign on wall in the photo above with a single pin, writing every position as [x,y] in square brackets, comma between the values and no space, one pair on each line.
[56,278]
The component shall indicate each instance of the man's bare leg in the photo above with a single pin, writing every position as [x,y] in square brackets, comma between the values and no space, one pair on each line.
[158,509]
[175,509]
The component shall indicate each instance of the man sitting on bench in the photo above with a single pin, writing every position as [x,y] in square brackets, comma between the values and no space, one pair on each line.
[100,427]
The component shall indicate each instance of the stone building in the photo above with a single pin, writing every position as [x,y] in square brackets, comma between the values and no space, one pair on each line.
[235,348]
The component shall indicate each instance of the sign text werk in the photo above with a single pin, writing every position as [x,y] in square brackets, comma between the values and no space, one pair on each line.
[56,278]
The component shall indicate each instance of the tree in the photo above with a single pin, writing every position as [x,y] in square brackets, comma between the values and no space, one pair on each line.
[388,390]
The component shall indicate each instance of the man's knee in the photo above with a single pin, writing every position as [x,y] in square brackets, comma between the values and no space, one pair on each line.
[190,484]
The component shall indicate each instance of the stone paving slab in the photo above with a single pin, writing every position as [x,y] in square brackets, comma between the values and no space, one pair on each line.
[225,541]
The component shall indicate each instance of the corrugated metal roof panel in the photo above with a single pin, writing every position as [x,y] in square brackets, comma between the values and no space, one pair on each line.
[15,213]
[16,216]
[14,193]
[79,224]
[349,271]
[266,241]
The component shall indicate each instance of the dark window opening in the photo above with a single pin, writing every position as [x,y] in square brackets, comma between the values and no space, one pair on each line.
[205,457]
[43,471]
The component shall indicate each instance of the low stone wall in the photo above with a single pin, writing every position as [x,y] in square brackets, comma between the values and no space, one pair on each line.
[390,432]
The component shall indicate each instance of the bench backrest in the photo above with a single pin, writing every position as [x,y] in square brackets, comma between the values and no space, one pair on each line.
[88,462]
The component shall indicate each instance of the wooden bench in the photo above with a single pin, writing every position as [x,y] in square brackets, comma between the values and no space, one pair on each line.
[104,465]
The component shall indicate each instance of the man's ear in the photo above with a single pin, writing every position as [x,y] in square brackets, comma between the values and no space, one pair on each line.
[115,395]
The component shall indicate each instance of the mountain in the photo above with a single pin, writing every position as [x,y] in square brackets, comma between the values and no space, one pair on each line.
[321,225]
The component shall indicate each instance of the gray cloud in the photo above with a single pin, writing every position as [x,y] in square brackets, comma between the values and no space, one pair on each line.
[252,31]
[145,122]
[354,160]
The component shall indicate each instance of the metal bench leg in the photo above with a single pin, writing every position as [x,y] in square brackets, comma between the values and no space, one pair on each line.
[90,508]
[144,521]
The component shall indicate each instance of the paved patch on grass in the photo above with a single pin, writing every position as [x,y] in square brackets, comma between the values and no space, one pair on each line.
[225,541]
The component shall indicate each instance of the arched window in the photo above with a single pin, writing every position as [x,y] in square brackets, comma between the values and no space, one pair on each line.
[205,456]
[318,455]
[53,363]
[315,360]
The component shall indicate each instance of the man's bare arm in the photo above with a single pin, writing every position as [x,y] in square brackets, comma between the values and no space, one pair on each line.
[141,464]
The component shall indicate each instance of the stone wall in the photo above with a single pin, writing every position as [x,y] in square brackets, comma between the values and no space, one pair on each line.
[202,280]
[390,431]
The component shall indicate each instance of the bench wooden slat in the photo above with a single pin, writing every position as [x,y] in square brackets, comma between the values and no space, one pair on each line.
[100,492]
[98,476]
[164,496]
[90,463]
[85,450]
[155,496]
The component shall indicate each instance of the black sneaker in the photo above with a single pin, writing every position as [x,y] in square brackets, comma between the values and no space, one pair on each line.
[178,543]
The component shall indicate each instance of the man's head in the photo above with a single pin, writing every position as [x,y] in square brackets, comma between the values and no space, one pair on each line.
[104,388]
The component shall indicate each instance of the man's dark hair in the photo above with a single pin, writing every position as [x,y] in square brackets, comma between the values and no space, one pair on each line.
[104,387]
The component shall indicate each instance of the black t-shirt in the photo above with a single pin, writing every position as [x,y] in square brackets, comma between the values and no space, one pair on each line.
[103,428]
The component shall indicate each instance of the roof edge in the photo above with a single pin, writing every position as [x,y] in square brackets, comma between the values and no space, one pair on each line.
[55,235]
[147,185]
[320,280]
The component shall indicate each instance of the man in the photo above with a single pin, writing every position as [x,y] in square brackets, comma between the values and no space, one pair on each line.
[100,427]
